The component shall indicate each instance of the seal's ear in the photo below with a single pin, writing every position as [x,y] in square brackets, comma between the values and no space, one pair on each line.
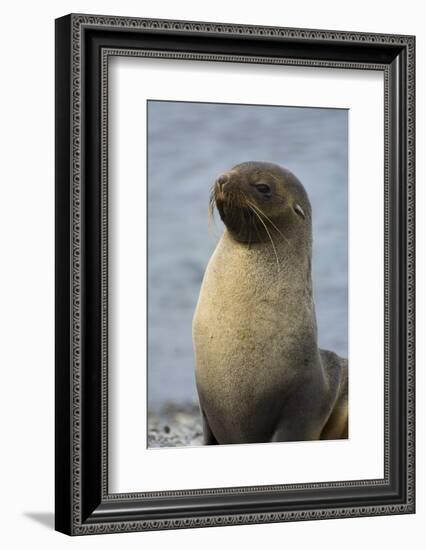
[299,210]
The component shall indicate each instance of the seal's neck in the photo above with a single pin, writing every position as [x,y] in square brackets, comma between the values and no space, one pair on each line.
[280,261]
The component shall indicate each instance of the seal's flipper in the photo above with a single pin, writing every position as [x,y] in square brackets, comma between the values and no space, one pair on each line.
[209,438]
[336,369]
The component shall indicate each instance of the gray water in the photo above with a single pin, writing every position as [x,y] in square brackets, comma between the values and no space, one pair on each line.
[189,144]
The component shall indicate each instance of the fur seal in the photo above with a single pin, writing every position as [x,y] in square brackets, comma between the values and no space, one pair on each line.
[259,372]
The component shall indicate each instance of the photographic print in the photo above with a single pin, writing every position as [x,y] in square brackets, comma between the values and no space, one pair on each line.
[247,273]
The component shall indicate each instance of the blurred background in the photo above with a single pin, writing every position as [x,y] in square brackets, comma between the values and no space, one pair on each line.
[189,144]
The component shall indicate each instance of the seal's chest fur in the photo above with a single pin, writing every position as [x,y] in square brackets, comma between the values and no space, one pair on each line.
[246,334]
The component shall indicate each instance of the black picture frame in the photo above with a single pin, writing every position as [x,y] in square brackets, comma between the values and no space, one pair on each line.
[83,504]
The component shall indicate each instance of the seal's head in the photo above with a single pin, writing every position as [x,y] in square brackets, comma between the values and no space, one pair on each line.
[255,198]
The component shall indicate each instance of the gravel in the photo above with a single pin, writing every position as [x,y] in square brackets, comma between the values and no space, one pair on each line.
[175,426]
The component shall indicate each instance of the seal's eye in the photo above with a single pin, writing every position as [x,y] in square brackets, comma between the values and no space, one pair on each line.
[263,189]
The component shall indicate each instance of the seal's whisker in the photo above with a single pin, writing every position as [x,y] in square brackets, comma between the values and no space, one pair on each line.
[212,202]
[269,235]
[256,227]
[269,220]
[241,210]
[211,209]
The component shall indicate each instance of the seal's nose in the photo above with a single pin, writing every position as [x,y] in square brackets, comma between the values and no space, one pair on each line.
[222,180]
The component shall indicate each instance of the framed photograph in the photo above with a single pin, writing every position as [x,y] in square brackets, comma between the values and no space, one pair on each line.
[234,274]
